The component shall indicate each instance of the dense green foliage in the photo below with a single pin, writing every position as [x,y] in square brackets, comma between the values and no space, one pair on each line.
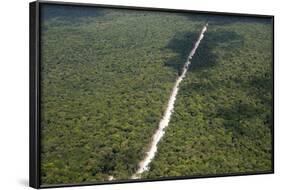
[223,115]
[106,78]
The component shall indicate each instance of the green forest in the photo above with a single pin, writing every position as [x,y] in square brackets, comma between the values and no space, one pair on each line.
[106,77]
[223,115]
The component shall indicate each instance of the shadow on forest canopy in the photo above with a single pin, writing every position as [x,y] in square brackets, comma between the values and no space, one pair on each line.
[205,59]
[182,43]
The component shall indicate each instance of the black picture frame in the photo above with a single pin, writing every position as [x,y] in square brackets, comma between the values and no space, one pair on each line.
[34,91]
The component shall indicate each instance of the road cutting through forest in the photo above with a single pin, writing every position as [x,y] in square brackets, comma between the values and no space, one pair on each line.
[164,122]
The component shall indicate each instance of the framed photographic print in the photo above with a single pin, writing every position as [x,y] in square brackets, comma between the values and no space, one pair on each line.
[129,94]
